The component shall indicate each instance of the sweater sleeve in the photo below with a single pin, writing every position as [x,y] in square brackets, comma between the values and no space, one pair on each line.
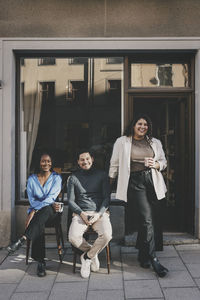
[71,196]
[105,194]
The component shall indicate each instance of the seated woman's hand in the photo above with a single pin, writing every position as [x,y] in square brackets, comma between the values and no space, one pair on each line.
[56,206]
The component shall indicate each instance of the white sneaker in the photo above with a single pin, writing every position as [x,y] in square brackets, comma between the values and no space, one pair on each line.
[85,266]
[95,264]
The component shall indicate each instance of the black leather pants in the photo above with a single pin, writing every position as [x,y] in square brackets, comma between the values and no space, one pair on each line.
[35,231]
[141,192]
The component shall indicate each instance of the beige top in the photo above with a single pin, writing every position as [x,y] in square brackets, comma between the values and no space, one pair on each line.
[139,150]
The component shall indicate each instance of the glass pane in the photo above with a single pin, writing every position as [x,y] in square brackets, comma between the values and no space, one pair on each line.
[159,75]
[73,104]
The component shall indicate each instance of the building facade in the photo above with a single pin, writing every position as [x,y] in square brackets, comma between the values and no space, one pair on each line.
[74,73]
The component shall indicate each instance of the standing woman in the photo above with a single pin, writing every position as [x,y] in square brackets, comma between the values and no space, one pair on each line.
[138,160]
[43,188]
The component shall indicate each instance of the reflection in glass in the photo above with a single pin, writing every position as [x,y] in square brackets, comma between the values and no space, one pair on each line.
[159,75]
[72,104]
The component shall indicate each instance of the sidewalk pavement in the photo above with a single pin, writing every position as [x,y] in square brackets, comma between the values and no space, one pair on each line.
[127,279]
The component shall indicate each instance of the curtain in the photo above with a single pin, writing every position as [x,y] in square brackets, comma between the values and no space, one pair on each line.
[32,110]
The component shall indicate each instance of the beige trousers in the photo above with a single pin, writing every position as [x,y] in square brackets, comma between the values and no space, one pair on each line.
[103,228]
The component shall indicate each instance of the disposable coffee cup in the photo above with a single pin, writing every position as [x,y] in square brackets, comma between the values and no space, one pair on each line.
[146,161]
[60,206]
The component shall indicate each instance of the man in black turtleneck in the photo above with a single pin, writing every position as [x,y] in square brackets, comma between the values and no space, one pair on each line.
[88,194]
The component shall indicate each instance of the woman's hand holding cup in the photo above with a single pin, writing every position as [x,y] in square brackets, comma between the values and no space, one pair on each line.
[149,162]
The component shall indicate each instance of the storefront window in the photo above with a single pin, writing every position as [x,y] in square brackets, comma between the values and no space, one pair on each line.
[159,75]
[74,103]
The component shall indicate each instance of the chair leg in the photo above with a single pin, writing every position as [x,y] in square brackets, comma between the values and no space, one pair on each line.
[108,257]
[58,243]
[61,236]
[74,262]
[27,250]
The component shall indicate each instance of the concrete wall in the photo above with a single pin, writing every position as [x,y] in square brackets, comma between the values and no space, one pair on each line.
[99,18]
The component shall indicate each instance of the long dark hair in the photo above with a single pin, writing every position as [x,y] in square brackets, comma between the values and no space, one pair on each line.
[129,129]
[38,159]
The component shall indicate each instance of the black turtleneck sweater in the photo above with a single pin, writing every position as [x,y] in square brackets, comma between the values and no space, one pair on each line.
[88,190]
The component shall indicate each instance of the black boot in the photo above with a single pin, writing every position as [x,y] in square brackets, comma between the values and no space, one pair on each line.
[158,268]
[41,270]
[14,247]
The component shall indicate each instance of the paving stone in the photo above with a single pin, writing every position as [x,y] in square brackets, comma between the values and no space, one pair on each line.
[194,269]
[115,265]
[142,289]
[132,269]
[197,280]
[106,295]
[102,282]
[181,293]
[30,296]
[36,284]
[52,267]
[168,251]
[173,263]
[69,290]
[177,279]
[11,275]
[190,257]
[3,255]
[6,290]
[66,274]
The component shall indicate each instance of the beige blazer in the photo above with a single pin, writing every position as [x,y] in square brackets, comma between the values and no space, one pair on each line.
[120,165]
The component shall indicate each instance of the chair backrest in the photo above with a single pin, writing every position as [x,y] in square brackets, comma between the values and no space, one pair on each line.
[60,197]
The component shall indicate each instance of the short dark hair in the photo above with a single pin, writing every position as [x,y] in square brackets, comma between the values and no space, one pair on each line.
[129,130]
[84,150]
[38,159]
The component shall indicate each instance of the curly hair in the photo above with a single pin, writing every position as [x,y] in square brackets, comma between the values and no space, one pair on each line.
[129,130]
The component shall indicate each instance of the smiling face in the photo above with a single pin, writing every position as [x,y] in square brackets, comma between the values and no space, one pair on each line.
[85,161]
[45,163]
[140,129]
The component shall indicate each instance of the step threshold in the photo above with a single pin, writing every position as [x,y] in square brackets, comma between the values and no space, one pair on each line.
[169,238]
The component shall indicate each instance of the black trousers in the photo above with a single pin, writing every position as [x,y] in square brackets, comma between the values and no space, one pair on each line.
[143,202]
[35,231]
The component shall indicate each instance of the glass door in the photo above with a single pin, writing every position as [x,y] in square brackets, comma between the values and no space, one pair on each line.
[172,124]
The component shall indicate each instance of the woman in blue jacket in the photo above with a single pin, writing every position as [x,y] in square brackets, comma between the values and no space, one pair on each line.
[43,188]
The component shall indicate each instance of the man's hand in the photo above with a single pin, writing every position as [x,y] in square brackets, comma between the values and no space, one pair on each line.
[84,217]
[94,218]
